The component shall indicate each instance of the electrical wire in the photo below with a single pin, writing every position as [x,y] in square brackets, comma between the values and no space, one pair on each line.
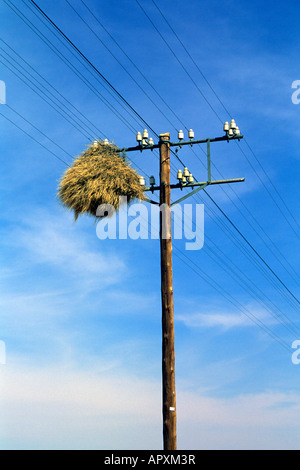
[184,68]
[190,264]
[26,120]
[134,65]
[246,252]
[93,67]
[179,61]
[47,137]
[51,100]
[90,64]
[247,284]
[284,263]
[252,248]
[226,110]
[71,66]
[209,280]
[118,61]
[34,139]
[75,109]
[204,276]
[100,40]
[76,48]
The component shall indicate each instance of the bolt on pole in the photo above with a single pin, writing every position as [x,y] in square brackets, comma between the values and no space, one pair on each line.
[168,335]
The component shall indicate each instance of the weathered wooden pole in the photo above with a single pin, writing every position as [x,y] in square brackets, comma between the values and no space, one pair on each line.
[168,337]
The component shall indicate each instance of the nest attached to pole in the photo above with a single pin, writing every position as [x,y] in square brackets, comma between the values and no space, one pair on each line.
[100,175]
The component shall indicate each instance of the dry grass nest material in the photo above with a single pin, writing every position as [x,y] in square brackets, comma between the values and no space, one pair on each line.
[98,176]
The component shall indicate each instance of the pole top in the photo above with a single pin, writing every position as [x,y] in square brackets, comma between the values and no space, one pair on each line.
[165,136]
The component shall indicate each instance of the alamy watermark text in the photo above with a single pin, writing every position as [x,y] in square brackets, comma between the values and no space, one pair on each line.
[141,221]
[2,92]
[296,93]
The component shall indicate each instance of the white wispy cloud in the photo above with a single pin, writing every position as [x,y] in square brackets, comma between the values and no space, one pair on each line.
[225,320]
[54,240]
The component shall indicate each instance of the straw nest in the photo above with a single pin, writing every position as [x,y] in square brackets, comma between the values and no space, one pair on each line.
[98,176]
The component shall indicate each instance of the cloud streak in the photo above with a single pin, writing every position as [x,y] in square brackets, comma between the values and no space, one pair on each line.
[224,319]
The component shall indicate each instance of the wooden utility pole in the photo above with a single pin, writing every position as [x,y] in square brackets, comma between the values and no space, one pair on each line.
[185,181]
[168,337]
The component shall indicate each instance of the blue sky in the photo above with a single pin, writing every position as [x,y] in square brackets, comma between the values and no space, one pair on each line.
[80,317]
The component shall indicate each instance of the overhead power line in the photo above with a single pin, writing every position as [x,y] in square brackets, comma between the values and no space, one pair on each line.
[60,110]
[34,139]
[258,229]
[144,121]
[96,70]
[286,263]
[168,343]
[278,251]
[102,41]
[220,289]
[179,253]
[65,101]
[117,60]
[252,248]
[230,232]
[134,65]
[219,118]
[70,65]
[179,61]
[221,261]
[51,97]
